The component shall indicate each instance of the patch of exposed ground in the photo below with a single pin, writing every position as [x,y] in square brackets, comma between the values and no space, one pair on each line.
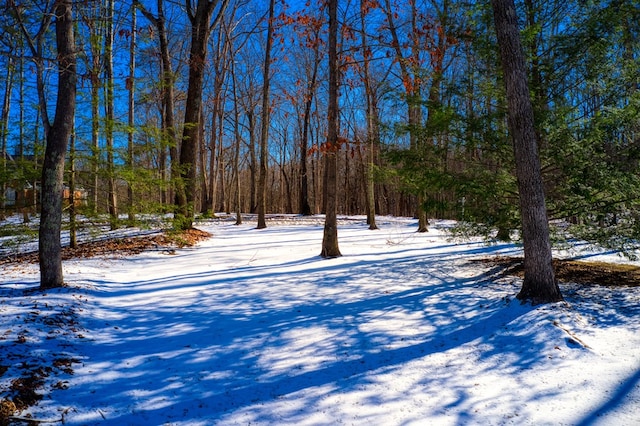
[574,271]
[120,246]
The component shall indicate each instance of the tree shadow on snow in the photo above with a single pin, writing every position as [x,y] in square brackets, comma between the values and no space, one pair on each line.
[222,342]
[615,401]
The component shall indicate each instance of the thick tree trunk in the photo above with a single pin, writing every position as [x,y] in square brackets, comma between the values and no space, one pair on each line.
[330,237]
[539,284]
[186,187]
[49,248]
[201,27]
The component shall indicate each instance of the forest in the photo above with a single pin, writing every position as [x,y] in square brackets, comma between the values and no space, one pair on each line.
[471,152]
[196,107]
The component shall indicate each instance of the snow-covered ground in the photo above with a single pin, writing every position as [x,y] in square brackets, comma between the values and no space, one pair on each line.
[252,327]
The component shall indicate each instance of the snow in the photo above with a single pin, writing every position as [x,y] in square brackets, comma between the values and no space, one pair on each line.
[253,327]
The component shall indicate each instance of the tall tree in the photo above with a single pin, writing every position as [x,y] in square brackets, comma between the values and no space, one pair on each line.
[201,27]
[73,222]
[109,104]
[373,133]
[92,17]
[330,246]
[266,113]
[4,129]
[167,85]
[49,248]
[131,110]
[309,31]
[410,71]
[237,137]
[539,285]
[220,67]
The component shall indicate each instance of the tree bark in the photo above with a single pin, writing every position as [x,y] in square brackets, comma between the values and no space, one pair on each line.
[303,203]
[94,75]
[372,123]
[131,113]
[238,138]
[330,247]
[253,163]
[266,114]
[49,247]
[539,285]
[412,85]
[201,27]
[4,129]
[221,68]
[73,223]
[112,198]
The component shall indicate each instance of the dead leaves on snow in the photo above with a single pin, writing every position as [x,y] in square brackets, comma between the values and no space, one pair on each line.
[574,271]
[167,242]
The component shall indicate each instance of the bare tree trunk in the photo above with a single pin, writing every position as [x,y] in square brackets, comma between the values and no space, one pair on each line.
[412,88]
[201,27]
[266,114]
[131,112]
[221,196]
[213,157]
[539,285]
[330,247]
[95,113]
[112,199]
[26,208]
[202,160]
[92,17]
[167,85]
[49,247]
[304,204]
[236,128]
[73,225]
[253,163]
[221,67]
[4,129]
[372,124]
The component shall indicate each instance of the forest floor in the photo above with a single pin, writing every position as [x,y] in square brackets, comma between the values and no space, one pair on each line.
[575,271]
[119,246]
[27,390]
